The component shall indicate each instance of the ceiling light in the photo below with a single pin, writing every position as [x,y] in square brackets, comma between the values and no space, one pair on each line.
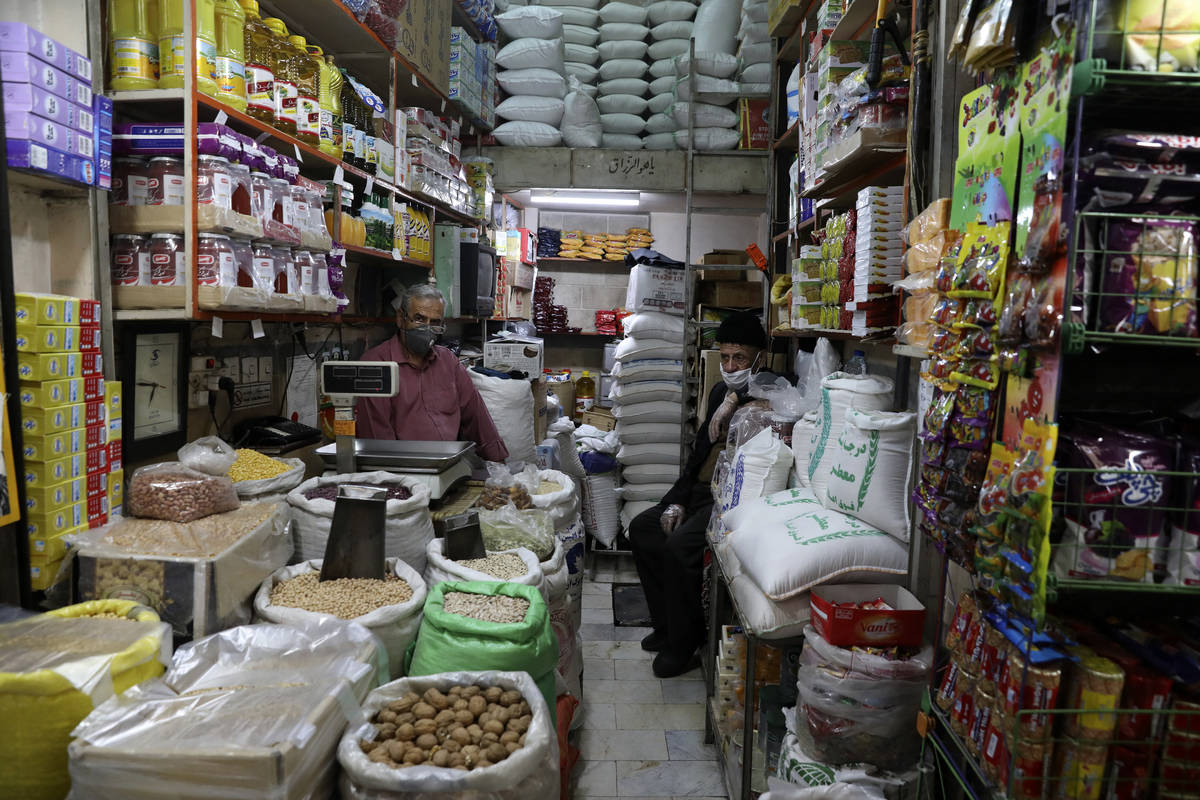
[588,200]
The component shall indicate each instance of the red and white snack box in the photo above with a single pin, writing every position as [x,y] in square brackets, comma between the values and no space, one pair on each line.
[839,622]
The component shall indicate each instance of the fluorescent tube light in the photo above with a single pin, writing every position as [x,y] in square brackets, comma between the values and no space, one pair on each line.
[598,200]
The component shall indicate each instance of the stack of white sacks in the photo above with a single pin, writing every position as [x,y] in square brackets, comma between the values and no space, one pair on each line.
[647,398]
[670,24]
[716,122]
[622,74]
[531,72]
[754,49]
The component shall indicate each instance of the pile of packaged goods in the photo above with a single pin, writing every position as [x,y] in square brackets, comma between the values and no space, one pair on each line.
[929,239]
[71,426]
[53,122]
[716,33]
[838,239]
[603,246]
[548,317]
[754,51]
[472,82]
[807,288]
[434,148]
[531,71]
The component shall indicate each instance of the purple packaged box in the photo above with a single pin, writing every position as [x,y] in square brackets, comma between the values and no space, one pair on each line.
[35,100]
[25,154]
[102,109]
[24,68]
[23,125]
[148,139]
[20,38]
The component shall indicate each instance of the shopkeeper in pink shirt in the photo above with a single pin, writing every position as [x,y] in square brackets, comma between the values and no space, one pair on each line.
[436,400]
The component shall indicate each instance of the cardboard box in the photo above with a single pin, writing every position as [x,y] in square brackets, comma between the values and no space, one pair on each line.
[47,339]
[112,398]
[423,39]
[753,125]
[116,489]
[520,303]
[48,499]
[20,38]
[56,419]
[904,626]
[523,276]
[35,100]
[24,68]
[43,394]
[39,309]
[522,353]
[540,420]
[47,448]
[732,257]
[47,548]
[599,418]
[41,576]
[53,523]
[655,289]
[730,294]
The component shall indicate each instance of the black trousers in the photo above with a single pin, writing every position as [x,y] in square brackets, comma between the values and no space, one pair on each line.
[671,568]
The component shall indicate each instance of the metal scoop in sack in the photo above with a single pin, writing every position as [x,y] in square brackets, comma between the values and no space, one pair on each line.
[355,546]
[463,539]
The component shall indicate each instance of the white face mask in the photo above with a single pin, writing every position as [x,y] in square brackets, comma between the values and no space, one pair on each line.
[736,380]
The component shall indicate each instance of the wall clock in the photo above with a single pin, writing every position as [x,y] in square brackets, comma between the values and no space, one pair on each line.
[154,372]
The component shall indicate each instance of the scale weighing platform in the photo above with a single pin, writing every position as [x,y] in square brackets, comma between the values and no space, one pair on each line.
[441,466]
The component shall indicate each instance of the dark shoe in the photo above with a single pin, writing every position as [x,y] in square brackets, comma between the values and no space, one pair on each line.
[670,665]
[653,641]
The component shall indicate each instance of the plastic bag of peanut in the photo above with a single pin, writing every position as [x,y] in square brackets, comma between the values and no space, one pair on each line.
[177,493]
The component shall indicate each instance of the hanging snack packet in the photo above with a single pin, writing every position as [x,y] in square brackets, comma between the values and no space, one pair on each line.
[982,261]
[984,373]
[993,494]
[1021,295]
[937,416]
[971,401]
[946,312]
[976,344]
[1043,316]
[1043,242]
[977,314]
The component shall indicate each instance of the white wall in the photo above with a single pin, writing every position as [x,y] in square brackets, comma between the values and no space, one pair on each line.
[709,232]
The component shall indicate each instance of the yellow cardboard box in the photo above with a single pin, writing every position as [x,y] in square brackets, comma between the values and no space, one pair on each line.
[41,421]
[41,309]
[70,314]
[43,366]
[116,489]
[43,394]
[47,448]
[41,576]
[47,339]
[48,473]
[44,549]
[46,499]
[48,523]
[113,398]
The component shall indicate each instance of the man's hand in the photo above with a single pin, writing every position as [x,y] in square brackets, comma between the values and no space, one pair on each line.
[719,425]
[671,518]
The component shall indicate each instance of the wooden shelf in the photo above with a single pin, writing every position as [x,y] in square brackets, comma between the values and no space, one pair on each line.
[460,18]
[837,336]
[790,139]
[861,166]
[384,256]
[857,22]
[581,333]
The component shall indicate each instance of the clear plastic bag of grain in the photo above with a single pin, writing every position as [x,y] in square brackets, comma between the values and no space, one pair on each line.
[177,493]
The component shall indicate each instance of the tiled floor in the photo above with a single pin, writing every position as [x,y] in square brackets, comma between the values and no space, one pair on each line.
[641,737]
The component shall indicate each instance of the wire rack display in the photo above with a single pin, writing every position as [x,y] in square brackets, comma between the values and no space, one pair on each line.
[1132,42]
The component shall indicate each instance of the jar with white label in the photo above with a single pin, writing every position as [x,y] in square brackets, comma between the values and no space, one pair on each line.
[130,182]
[168,261]
[263,271]
[281,190]
[286,281]
[130,260]
[316,215]
[216,264]
[299,201]
[305,269]
[321,276]
[262,196]
[243,256]
[239,174]
[165,182]
[214,183]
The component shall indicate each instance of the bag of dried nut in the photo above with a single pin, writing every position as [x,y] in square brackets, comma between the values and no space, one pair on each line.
[453,734]
[174,492]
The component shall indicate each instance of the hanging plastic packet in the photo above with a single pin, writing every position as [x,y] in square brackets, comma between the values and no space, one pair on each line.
[982,261]
[984,373]
[965,469]
[970,433]
[972,401]
[946,312]
[937,416]
[944,342]
[1029,494]
[977,314]
[962,29]
[1021,294]
[1042,242]
[993,37]
[976,344]
[1043,316]
[941,371]
[943,278]
[990,522]
[933,451]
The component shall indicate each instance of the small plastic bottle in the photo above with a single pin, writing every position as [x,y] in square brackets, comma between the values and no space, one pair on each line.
[857,365]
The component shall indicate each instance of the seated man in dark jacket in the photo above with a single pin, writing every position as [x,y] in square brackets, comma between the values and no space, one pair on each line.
[668,540]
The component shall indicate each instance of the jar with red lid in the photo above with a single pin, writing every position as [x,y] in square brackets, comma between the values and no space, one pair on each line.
[168,262]
[130,260]
[263,270]
[165,184]
[243,256]
[262,196]
[130,182]
[214,182]
[215,262]
[285,271]
[240,199]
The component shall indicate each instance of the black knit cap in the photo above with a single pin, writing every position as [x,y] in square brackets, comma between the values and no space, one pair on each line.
[742,327]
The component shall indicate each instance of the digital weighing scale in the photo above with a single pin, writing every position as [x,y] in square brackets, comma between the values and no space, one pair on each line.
[439,465]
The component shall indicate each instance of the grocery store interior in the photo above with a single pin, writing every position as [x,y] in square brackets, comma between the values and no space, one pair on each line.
[513,399]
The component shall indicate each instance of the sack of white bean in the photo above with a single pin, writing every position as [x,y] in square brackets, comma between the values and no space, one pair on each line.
[389,608]
[558,496]
[407,528]
[174,492]
[518,565]
[486,628]
[530,771]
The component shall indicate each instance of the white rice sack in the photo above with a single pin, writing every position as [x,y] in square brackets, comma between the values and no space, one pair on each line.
[652,473]
[634,509]
[710,138]
[754,89]
[664,67]
[580,18]
[562,5]
[623,12]
[716,26]
[667,48]
[580,34]
[648,369]
[718,65]
[756,53]
[638,348]
[581,119]
[539,82]
[622,68]
[547,110]
[612,31]
[648,433]
[662,85]
[718,91]
[580,54]
[647,391]
[756,73]
[670,11]
[841,392]
[659,103]
[621,104]
[758,468]
[870,469]
[532,54]
[802,446]
[509,401]
[634,86]
[621,141]
[646,492]
[654,325]
[662,125]
[645,413]
[536,22]
[756,12]
[584,73]
[788,543]
[623,49]
[754,33]
[622,123]
[669,31]
[707,115]
[527,134]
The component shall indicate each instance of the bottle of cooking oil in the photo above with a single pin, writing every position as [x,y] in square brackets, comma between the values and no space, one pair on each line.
[130,45]
[324,114]
[172,48]
[347,95]
[260,65]
[335,107]
[152,17]
[286,90]
[231,53]
[308,92]
[585,393]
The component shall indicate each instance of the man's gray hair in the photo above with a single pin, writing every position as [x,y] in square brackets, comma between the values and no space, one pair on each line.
[421,291]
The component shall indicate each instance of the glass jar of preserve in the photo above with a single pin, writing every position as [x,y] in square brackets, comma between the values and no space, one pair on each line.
[263,270]
[216,264]
[281,208]
[130,260]
[305,269]
[168,262]
[262,196]
[243,258]
[285,271]
[130,182]
[165,186]
[214,182]
[239,174]
[298,198]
